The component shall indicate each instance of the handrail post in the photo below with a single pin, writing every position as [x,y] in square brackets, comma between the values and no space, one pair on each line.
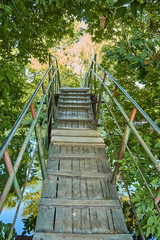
[99,100]
[40,144]
[95,84]
[50,61]
[123,146]
[53,93]
[114,94]
[90,74]
[44,92]
[49,121]
[59,81]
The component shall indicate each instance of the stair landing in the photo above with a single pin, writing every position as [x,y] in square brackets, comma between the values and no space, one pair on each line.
[78,201]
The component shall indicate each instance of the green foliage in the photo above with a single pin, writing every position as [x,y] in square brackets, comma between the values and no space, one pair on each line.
[69,79]
[4,231]
[29,224]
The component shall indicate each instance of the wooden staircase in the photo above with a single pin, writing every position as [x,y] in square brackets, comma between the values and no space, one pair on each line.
[78,201]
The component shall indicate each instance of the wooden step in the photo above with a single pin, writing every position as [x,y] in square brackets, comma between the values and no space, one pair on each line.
[79,203]
[73,107]
[67,236]
[76,133]
[73,103]
[61,97]
[78,174]
[76,144]
[76,94]
[74,89]
[70,139]
[75,119]
[82,151]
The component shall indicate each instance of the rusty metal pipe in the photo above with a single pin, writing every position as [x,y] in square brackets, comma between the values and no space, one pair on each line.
[99,100]
[11,171]
[123,146]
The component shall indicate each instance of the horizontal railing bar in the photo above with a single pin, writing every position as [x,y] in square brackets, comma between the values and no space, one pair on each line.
[20,118]
[157,129]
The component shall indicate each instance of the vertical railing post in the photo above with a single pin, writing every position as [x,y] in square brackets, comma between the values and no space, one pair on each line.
[44,92]
[53,96]
[90,74]
[40,144]
[123,146]
[59,81]
[99,99]
[49,120]
[95,83]
[114,94]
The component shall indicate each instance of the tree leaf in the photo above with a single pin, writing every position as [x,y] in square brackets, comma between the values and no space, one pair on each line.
[150,220]
[37,2]
[148,231]
[120,12]
[134,8]
[122,2]
[157,145]
[140,7]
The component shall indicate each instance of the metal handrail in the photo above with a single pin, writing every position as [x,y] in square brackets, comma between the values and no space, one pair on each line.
[157,129]
[23,113]
[48,98]
[130,126]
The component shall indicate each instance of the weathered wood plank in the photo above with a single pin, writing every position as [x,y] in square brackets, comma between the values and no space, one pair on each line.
[110,220]
[71,139]
[60,236]
[53,163]
[118,220]
[86,221]
[65,165]
[49,188]
[79,174]
[77,220]
[71,90]
[112,190]
[105,190]
[63,220]
[76,144]
[77,157]
[76,190]
[80,203]
[65,188]
[83,189]
[94,189]
[76,133]
[45,219]
[99,221]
